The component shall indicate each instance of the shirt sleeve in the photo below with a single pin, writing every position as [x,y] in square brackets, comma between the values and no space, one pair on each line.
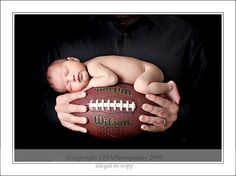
[46,95]
[195,74]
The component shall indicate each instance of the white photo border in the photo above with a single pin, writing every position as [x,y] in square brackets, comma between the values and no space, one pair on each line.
[175,7]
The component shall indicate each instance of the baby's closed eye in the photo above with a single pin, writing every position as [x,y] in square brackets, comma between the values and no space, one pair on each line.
[68,86]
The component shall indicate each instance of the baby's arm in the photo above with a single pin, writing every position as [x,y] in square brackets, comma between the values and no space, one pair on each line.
[101,76]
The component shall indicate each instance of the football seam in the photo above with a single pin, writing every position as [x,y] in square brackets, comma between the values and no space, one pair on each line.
[108,105]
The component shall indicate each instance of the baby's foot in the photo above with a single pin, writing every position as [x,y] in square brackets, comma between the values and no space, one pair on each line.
[174,93]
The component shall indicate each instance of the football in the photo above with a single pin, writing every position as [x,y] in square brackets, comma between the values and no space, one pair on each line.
[113,112]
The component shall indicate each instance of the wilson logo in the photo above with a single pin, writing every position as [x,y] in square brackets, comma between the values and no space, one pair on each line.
[102,121]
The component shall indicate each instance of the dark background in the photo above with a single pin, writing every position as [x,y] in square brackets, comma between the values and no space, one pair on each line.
[33,35]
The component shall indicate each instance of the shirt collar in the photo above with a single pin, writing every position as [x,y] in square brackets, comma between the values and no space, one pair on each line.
[155,19]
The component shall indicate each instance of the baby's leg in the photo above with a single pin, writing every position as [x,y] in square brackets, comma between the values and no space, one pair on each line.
[150,82]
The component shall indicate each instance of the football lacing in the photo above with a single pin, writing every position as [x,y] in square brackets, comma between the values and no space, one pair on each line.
[120,105]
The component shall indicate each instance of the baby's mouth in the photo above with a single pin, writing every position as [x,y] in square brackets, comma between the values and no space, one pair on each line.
[80,77]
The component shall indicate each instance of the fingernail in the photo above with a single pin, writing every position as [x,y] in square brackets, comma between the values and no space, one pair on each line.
[149,96]
[143,127]
[84,120]
[84,108]
[82,94]
[84,130]
[141,118]
[145,106]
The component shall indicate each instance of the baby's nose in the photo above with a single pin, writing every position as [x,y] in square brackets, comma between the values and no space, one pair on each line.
[73,78]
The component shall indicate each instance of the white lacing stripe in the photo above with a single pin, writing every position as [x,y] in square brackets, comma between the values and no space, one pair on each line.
[108,105]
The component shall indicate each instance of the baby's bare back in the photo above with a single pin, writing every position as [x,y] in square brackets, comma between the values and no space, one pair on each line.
[127,69]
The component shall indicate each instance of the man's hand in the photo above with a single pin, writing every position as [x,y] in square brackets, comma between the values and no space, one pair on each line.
[64,108]
[164,115]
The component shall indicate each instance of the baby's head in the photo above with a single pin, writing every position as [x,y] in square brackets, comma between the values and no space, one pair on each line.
[67,75]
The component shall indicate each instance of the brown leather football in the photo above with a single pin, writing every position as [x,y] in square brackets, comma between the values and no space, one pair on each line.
[113,112]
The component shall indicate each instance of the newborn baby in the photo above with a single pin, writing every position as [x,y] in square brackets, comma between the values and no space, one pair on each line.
[70,75]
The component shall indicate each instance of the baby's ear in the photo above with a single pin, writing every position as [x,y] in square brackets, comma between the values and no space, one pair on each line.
[73,58]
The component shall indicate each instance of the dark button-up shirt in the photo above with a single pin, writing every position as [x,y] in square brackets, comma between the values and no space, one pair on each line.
[166,41]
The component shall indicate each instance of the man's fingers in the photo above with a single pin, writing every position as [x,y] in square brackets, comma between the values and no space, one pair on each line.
[153,128]
[158,111]
[150,128]
[157,121]
[73,119]
[64,108]
[163,102]
[159,100]
[74,127]
[69,97]
[166,114]
[69,108]
[75,108]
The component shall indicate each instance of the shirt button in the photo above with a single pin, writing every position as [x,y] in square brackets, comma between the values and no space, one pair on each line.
[125,34]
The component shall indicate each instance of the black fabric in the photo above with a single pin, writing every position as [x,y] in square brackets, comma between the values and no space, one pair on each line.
[170,43]
[164,40]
